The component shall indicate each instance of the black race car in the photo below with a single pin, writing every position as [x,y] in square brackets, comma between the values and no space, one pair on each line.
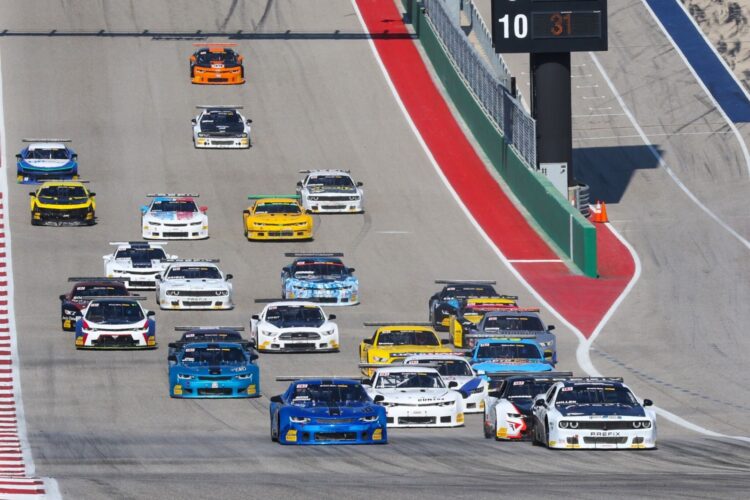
[83,292]
[447,301]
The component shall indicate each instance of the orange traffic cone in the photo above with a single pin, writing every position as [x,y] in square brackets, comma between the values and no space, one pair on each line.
[599,213]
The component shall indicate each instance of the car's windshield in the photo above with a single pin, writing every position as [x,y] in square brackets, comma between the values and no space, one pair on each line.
[509,350]
[408,337]
[63,192]
[48,154]
[194,273]
[595,394]
[142,254]
[294,316]
[409,380]
[114,312]
[447,367]
[174,206]
[213,356]
[207,57]
[311,269]
[219,118]
[306,394]
[515,322]
[468,291]
[277,208]
[98,291]
[335,181]
[526,389]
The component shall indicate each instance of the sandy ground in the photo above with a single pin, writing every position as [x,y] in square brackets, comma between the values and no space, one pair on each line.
[725,22]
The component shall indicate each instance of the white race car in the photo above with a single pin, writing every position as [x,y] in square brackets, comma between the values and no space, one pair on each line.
[174,216]
[294,326]
[455,368]
[194,284]
[416,396]
[330,191]
[221,127]
[593,412]
[136,263]
[115,323]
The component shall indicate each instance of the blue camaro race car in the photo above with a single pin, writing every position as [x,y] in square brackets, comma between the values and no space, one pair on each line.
[508,355]
[327,411]
[213,370]
[319,277]
[45,159]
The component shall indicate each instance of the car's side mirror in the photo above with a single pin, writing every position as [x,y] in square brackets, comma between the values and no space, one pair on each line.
[246,212]
[157,277]
[151,313]
[452,384]
[299,184]
[648,402]
[32,193]
[62,297]
[253,357]
[92,194]
[18,157]
[331,316]
[229,276]
[255,316]
[367,341]
[540,402]
[172,358]
[495,394]
[203,208]
[248,121]
[194,121]
[550,327]
[74,157]
[172,345]
[360,184]
[351,269]
[276,399]
[379,398]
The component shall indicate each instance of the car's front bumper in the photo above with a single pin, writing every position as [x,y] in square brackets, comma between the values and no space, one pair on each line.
[474,403]
[208,389]
[223,302]
[315,434]
[274,344]
[603,440]
[329,297]
[221,142]
[73,217]
[274,233]
[182,232]
[424,416]
[334,207]
[115,340]
[226,76]
[24,176]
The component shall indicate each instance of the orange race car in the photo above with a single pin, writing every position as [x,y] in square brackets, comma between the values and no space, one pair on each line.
[216,64]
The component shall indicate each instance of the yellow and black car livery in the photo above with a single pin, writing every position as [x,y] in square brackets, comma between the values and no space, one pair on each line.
[277,217]
[472,311]
[63,203]
[395,341]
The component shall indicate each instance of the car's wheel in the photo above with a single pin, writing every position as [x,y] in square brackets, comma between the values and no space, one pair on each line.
[487,430]
[546,433]
[274,431]
[33,221]
[535,435]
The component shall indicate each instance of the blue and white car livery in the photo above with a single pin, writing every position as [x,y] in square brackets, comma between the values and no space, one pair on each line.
[319,277]
[45,159]
[174,216]
[508,355]
[136,263]
[213,370]
[455,368]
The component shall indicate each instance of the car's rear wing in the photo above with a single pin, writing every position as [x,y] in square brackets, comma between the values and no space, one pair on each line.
[215,44]
[67,180]
[270,301]
[537,375]
[313,254]
[96,278]
[294,378]
[504,335]
[107,297]
[210,261]
[596,379]
[328,169]
[402,323]
[191,328]
[45,139]
[466,282]
[172,195]
[136,243]
[266,196]
[219,106]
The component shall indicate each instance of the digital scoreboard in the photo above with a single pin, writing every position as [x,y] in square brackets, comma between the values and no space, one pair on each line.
[538,26]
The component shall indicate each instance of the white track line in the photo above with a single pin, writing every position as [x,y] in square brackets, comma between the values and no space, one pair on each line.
[582,353]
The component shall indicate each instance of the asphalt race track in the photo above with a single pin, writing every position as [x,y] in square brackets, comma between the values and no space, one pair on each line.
[102,424]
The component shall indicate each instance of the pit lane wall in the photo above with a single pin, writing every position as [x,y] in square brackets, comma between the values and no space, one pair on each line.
[572,235]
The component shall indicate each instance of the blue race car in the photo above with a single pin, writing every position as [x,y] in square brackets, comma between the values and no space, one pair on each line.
[327,411]
[319,277]
[508,355]
[213,370]
[45,159]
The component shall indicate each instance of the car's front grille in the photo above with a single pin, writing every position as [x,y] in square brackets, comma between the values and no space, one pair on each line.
[197,293]
[299,336]
[218,79]
[175,234]
[416,420]
[334,421]
[603,425]
[329,300]
[331,198]
[216,378]
[198,303]
[281,233]
[217,142]
[114,341]
[181,224]
[302,346]
[335,436]
[140,273]
[62,215]
[605,439]
[221,391]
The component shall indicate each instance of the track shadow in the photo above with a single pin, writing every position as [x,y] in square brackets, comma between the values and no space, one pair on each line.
[608,170]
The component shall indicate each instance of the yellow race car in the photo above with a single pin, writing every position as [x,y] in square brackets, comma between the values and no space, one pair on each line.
[395,341]
[277,217]
[471,313]
[63,203]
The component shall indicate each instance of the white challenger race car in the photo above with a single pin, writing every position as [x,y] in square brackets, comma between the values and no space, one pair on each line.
[416,396]
[136,263]
[174,216]
[330,191]
[455,368]
[294,326]
[221,127]
[194,284]
[593,412]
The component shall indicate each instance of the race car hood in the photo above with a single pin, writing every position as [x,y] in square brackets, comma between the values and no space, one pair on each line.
[268,327]
[417,396]
[280,218]
[232,370]
[69,203]
[318,282]
[47,164]
[222,129]
[351,410]
[194,284]
[140,264]
[589,411]
[511,366]
[401,351]
[175,216]
[350,190]
[114,327]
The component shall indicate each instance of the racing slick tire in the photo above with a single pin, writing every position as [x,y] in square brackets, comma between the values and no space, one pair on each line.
[275,437]
[487,431]
[535,435]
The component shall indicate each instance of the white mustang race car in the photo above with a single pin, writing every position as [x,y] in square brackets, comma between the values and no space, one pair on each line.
[593,412]
[294,327]
[136,263]
[416,396]
[221,127]
[330,191]
[174,216]
[455,368]
[194,284]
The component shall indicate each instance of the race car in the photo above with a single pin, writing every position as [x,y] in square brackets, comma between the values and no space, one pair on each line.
[194,284]
[213,370]
[508,355]
[593,412]
[174,216]
[216,64]
[416,396]
[46,159]
[84,290]
[63,203]
[221,127]
[211,334]
[319,277]
[522,323]
[136,263]
[326,411]
[392,342]
[330,191]
[471,311]
[294,327]
[115,323]
[454,294]
[508,409]
[455,368]
[276,217]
